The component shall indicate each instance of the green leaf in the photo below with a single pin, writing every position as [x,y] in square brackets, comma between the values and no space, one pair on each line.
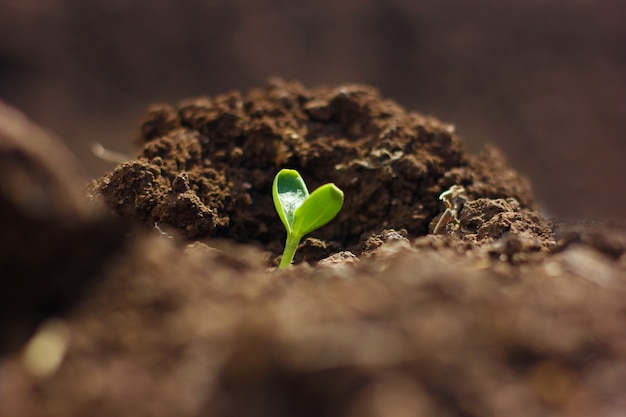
[289,192]
[317,210]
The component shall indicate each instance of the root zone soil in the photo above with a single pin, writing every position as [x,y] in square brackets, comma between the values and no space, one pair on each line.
[499,313]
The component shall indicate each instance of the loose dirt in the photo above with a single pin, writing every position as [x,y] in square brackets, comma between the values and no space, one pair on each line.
[181,312]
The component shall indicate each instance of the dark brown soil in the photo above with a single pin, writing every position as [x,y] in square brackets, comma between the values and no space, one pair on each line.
[501,313]
[52,242]
[206,166]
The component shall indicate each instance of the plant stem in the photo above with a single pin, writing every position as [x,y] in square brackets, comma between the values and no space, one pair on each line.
[290,249]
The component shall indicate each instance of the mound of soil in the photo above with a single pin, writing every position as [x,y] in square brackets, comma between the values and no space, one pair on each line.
[206,166]
[499,313]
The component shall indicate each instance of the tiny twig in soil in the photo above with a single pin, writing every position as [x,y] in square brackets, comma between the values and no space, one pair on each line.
[107,155]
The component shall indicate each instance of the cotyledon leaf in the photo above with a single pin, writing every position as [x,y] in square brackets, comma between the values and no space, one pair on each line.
[318,209]
[289,193]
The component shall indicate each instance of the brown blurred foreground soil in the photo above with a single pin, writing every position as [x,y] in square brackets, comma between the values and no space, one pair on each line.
[170,304]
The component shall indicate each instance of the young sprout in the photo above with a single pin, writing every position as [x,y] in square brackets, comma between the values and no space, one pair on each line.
[454,198]
[300,212]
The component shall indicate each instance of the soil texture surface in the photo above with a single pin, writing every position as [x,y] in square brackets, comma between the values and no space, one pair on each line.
[206,166]
[439,289]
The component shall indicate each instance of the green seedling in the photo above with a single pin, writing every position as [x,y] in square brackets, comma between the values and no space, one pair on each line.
[300,212]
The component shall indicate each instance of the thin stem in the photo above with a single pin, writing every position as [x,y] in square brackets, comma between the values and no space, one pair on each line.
[290,250]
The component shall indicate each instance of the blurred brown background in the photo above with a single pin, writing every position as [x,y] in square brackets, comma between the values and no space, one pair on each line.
[545,81]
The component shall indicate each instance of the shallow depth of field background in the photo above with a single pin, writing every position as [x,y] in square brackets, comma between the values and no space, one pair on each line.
[545,81]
